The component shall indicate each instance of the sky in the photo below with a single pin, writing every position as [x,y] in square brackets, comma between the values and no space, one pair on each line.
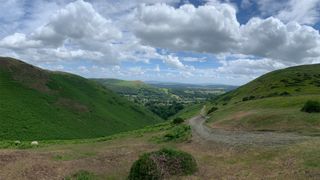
[188,41]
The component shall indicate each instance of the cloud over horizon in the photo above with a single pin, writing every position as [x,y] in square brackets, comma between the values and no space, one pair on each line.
[166,40]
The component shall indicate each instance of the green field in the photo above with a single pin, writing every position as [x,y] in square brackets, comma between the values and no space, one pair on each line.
[272,102]
[36,104]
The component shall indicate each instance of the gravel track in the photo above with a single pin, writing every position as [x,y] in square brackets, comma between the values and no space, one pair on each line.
[240,137]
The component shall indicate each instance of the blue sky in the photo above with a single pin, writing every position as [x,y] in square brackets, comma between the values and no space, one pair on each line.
[191,41]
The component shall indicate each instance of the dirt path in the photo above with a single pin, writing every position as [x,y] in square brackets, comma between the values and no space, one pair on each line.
[240,137]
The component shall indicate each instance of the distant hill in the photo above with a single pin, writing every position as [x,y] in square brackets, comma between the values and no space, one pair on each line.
[272,102]
[38,104]
[173,85]
[132,87]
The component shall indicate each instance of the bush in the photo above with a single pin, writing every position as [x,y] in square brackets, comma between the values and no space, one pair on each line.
[311,107]
[162,164]
[178,133]
[212,110]
[178,120]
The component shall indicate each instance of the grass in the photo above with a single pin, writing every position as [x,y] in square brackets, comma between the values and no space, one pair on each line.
[41,105]
[274,114]
[9,144]
[82,175]
[272,102]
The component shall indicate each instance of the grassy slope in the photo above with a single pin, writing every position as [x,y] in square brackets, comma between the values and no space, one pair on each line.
[269,110]
[37,104]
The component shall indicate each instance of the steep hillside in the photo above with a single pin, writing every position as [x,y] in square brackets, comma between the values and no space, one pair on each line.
[272,102]
[38,104]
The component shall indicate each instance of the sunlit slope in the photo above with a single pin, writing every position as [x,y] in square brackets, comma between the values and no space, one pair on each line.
[272,102]
[38,104]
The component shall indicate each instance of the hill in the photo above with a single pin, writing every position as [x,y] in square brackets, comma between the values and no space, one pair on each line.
[272,102]
[124,87]
[38,104]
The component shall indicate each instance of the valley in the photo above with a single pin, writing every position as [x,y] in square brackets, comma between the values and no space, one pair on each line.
[85,130]
[164,99]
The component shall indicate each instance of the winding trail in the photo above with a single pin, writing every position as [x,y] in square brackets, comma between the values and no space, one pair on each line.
[240,137]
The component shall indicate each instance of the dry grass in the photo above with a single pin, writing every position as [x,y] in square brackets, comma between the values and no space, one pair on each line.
[113,159]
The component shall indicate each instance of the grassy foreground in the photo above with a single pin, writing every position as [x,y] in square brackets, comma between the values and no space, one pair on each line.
[112,158]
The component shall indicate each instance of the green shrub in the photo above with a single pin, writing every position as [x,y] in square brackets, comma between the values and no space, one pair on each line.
[311,107]
[212,110]
[162,164]
[178,120]
[179,133]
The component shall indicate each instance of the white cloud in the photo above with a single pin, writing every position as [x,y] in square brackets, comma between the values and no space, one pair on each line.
[77,21]
[301,11]
[104,34]
[249,67]
[173,61]
[215,29]
[194,59]
[273,39]
[19,41]
[205,29]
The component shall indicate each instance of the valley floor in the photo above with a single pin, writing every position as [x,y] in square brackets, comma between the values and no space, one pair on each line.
[112,159]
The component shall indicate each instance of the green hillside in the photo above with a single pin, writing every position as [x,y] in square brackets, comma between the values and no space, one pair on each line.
[272,102]
[38,104]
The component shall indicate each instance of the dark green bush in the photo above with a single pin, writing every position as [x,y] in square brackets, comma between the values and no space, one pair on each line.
[178,120]
[162,164]
[213,109]
[311,107]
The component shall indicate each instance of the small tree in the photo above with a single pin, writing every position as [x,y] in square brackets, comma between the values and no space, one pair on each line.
[311,107]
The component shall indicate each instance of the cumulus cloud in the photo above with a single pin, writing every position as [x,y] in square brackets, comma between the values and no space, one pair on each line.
[173,61]
[215,29]
[104,34]
[78,21]
[19,41]
[205,29]
[287,42]
[249,67]
[75,31]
